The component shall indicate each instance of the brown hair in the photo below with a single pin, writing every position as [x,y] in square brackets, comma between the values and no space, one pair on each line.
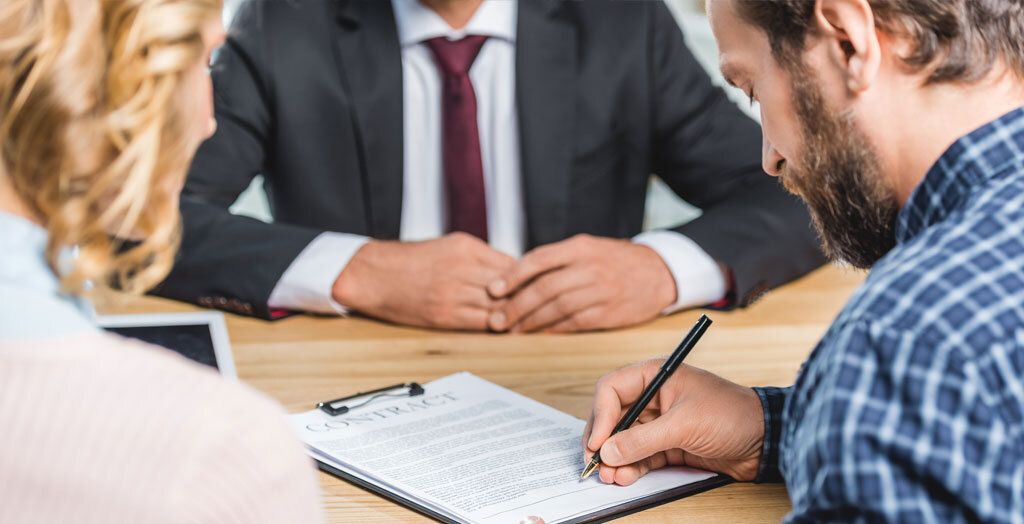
[93,128]
[953,40]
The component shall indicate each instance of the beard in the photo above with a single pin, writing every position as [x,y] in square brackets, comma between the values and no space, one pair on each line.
[839,178]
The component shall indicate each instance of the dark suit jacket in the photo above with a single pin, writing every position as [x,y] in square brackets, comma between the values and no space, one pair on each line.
[309,93]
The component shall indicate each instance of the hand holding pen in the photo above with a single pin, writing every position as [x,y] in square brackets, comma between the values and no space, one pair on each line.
[695,419]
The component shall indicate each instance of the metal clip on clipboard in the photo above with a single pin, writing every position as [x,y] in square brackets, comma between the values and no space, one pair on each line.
[335,407]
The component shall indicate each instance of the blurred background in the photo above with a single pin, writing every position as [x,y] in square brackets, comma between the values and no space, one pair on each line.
[664,208]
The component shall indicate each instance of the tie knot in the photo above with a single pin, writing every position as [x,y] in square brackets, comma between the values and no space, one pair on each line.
[455,57]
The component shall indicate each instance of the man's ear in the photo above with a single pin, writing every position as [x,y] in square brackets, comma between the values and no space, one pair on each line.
[848,26]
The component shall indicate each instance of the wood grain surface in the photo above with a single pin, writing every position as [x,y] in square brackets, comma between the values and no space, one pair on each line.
[304,359]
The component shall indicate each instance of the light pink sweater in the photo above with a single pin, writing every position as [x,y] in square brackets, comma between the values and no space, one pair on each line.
[96,428]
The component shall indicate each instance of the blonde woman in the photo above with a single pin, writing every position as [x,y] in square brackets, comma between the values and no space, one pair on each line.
[102,104]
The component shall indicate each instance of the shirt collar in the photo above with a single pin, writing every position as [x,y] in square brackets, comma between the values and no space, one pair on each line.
[970,161]
[417,23]
[24,264]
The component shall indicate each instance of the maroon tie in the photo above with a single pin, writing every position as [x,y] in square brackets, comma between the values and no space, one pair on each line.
[463,168]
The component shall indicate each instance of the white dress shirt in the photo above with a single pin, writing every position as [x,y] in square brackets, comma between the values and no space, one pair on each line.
[307,283]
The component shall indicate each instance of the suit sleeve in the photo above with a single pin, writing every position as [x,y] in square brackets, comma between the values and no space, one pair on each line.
[708,152]
[227,261]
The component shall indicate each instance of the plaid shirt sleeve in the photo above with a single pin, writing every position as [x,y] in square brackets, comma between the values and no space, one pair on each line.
[773,400]
[901,421]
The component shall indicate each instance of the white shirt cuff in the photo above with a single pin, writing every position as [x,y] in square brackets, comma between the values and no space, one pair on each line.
[307,283]
[699,279]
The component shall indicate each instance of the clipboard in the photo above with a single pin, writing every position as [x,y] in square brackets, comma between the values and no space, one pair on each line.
[343,405]
[600,516]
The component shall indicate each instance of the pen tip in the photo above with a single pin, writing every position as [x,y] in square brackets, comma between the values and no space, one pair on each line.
[589,470]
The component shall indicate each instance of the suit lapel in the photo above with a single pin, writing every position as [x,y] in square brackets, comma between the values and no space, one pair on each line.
[546,83]
[369,60]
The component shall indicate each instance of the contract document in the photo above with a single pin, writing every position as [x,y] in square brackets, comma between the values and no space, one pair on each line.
[468,450]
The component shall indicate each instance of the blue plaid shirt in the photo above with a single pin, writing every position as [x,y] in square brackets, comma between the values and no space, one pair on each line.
[911,408]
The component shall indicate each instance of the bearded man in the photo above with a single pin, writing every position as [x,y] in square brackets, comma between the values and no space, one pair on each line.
[901,125]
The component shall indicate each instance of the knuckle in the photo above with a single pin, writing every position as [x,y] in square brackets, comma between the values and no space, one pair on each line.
[624,474]
[529,324]
[543,287]
[460,239]
[532,262]
[563,306]
[584,240]
[512,311]
[476,322]
[587,319]
[652,364]
[606,382]
[517,274]
[536,299]
[543,258]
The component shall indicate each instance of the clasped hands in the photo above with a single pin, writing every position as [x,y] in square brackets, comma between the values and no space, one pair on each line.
[459,282]
[583,283]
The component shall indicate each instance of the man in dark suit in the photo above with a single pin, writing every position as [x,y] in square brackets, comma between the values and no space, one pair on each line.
[477,165]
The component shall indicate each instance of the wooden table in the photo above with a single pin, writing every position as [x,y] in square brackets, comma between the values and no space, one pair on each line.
[305,359]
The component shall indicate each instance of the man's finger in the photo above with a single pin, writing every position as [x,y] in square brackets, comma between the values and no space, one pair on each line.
[593,317]
[542,291]
[475,297]
[496,260]
[587,429]
[646,416]
[640,442]
[476,249]
[626,475]
[562,308]
[475,273]
[614,393]
[564,305]
[609,406]
[535,263]
[467,318]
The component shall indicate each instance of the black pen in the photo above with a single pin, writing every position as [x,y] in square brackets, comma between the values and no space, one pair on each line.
[667,369]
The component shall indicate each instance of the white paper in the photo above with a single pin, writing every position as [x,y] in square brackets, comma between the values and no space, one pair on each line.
[474,451]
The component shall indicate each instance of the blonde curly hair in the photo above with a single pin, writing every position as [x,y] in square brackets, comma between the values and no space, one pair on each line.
[94,128]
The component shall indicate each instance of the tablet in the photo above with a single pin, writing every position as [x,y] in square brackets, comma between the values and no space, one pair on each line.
[200,336]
